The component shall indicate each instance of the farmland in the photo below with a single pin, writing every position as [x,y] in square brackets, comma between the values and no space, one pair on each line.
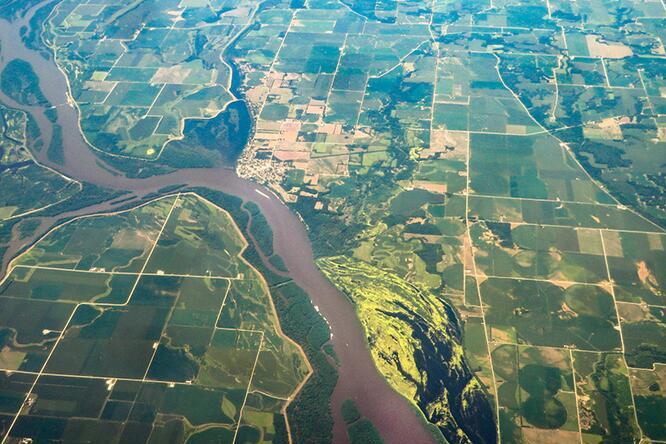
[103,333]
[484,173]
[482,181]
[136,88]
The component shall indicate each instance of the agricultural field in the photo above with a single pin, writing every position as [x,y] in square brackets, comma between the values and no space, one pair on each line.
[105,332]
[138,71]
[483,181]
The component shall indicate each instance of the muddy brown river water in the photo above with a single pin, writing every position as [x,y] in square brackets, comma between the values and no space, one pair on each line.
[358,377]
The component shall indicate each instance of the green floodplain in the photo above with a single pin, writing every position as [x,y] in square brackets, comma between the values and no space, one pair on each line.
[483,180]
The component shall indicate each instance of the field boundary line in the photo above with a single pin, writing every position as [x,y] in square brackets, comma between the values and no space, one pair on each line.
[38,376]
[468,235]
[127,273]
[247,390]
[619,230]
[619,326]
[545,280]
[104,378]
[156,345]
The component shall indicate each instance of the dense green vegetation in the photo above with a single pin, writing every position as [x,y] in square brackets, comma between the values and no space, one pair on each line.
[391,309]
[350,412]
[310,413]
[260,229]
[211,142]
[32,35]
[32,186]
[363,432]
[19,82]
[12,8]
[56,151]
[360,430]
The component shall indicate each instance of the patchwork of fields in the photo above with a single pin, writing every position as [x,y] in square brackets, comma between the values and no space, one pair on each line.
[471,155]
[107,334]
[138,70]
[483,179]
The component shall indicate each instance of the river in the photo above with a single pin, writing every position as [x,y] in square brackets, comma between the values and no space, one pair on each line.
[358,377]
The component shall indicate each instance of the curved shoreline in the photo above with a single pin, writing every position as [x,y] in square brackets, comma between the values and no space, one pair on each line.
[359,379]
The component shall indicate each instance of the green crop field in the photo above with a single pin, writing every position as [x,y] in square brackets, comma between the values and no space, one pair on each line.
[110,337]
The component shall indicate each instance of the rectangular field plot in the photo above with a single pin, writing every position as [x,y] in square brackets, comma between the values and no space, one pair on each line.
[67,286]
[186,295]
[637,263]
[343,107]
[102,243]
[644,333]
[542,313]
[197,241]
[73,409]
[199,301]
[309,52]
[198,405]
[230,359]
[30,328]
[14,387]
[68,409]
[375,54]
[604,397]
[613,102]
[248,307]
[261,414]
[527,167]
[568,214]
[498,115]
[582,71]
[649,389]
[245,306]
[476,349]
[451,117]
[111,342]
[189,331]
[535,394]
[132,95]
[441,176]
[461,76]
[555,253]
